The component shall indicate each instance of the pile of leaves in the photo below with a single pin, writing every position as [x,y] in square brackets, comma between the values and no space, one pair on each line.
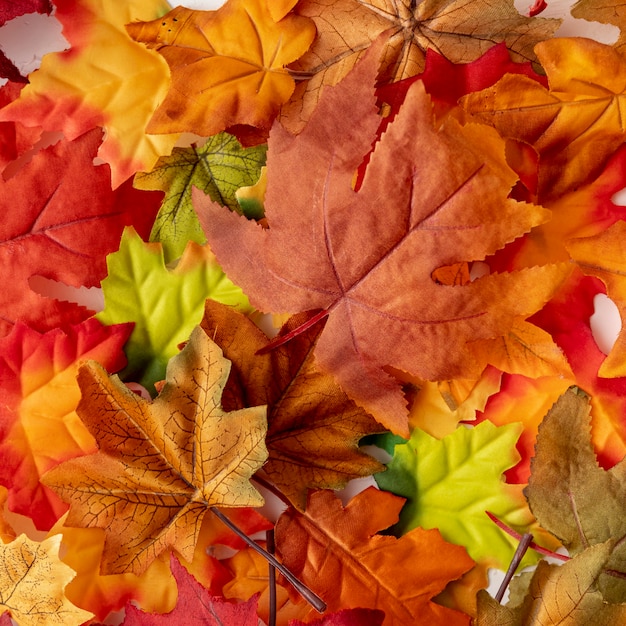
[316,225]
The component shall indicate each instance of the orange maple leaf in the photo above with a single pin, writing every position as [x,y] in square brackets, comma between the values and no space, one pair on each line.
[336,551]
[429,199]
[227,66]
[575,125]
[161,464]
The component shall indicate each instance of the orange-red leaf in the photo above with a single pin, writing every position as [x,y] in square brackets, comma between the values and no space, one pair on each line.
[338,553]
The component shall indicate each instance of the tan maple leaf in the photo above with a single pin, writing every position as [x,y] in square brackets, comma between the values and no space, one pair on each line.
[32,584]
[161,464]
[430,198]
[460,30]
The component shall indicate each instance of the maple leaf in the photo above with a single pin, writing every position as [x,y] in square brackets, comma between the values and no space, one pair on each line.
[460,30]
[566,318]
[251,578]
[603,256]
[164,304]
[104,79]
[313,427]
[564,594]
[571,496]
[195,605]
[450,483]
[39,427]
[160,464]
[366,257]
[575,125]
[227,66]
[61,219]
[336,551]
[219,167]
[347,617]
[32,582]
[154,590]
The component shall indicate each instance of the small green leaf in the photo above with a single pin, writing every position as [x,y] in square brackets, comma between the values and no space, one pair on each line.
[165,304]
[219,168]
[449,483]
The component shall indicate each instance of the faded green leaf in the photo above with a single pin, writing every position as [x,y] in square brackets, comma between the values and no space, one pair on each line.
[219,168]
[449,483]
[571,495]
[558,595]
[164,303]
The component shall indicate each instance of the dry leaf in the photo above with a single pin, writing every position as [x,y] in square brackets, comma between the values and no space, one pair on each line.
[160,464]
[32,583]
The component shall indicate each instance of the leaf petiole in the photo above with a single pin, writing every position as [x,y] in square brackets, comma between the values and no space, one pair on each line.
[311,597]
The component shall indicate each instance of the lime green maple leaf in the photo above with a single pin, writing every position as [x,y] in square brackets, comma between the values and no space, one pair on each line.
[449,483]
[164,303]
[219,168]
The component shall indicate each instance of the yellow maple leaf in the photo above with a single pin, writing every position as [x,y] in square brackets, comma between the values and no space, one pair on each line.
[32,583]
[104,79]
[162,464]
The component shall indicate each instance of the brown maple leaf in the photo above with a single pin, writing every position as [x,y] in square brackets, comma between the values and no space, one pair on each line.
[430,198]
[460,30]
[227,66]
[336,551]
[160,464]
[313,427]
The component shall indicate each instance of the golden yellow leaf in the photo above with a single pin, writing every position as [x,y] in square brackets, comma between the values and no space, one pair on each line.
[161,464]
[32,583]
[227,66]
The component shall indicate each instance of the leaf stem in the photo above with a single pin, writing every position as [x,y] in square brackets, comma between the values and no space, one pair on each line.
[271,547]
[311,597]
[522,547]
[282,339]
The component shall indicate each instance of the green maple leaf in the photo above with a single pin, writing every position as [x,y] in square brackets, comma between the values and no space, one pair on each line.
[219,168]
[572,496]
[164,303]
[449,483]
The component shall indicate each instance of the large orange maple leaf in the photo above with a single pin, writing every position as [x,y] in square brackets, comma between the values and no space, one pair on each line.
[430,198]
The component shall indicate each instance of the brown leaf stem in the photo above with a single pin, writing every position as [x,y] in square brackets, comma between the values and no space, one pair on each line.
[282,339]
[311,597]
[524,543]
[271,547]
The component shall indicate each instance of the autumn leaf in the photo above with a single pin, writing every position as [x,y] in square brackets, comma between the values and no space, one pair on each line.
[251,578]
[558,595]
[366,257]
[347,617]
[227,66]
[105,79]
[575,125]
[154,590]
[32,582]
[163,463]
[60,220]
[39,427]
[571,496]
[219,167]
[313,427]
[460,30]
[605,12]
[338,553]
[439,478]
[195,605]
[603,256]
[164,304]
